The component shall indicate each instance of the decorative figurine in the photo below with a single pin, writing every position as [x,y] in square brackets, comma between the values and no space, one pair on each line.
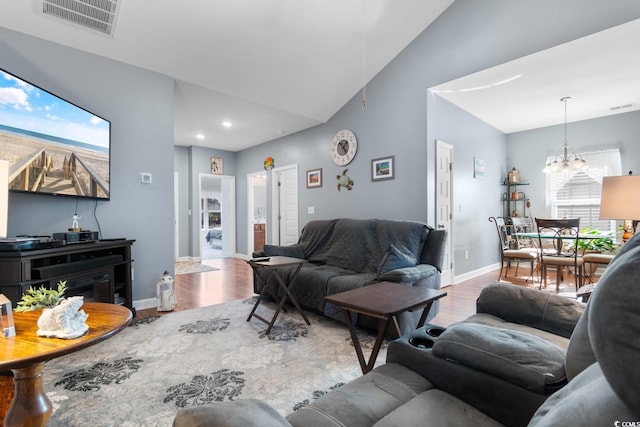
[344,180]
[74,225]
[65,320]
[166,289]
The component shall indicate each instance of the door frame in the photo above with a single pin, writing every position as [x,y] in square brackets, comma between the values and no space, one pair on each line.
[447,279]
[251,208]
[274,237]
[228,236]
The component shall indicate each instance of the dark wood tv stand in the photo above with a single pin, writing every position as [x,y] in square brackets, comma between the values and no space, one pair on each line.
[100,271]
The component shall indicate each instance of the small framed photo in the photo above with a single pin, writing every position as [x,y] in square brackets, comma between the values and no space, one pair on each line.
[217,165]
[382,168]
[314,178]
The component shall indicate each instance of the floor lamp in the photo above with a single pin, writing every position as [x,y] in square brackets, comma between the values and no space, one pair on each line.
[621,200]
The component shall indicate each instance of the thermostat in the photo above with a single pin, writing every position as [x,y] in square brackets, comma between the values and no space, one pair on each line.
[145,178]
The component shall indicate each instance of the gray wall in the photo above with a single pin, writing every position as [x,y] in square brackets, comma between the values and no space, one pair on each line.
[528,150]
[402,119]
[139,105]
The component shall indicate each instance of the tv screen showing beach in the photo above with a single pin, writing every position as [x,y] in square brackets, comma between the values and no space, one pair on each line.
[52,145]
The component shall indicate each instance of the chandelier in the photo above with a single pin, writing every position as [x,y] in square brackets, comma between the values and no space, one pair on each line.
[568,162]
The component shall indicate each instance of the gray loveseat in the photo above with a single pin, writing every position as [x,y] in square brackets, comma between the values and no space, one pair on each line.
[345,254]
[601,369]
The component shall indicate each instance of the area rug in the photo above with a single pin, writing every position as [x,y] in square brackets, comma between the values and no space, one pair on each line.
[144,374]
[188,267]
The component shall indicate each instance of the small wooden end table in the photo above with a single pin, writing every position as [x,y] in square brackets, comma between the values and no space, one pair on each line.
[26,353]
[271,264]
[384,301]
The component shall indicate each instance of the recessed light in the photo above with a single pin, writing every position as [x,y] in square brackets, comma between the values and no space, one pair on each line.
[200,136]
[226,124]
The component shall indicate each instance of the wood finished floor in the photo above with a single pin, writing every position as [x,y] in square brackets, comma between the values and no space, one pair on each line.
[234,281]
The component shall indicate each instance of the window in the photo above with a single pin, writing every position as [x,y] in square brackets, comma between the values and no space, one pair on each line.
[576,194]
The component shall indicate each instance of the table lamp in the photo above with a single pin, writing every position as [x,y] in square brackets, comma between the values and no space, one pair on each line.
[621,200]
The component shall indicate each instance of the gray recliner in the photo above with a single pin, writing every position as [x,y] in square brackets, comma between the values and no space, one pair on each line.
[601,366]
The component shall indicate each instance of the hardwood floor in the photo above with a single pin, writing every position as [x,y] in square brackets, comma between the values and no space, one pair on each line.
[234,280]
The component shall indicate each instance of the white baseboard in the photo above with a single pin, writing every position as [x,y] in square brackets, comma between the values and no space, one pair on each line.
[475,273]
[143,304]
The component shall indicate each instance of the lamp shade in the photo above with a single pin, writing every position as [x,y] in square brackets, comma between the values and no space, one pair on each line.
[620,197]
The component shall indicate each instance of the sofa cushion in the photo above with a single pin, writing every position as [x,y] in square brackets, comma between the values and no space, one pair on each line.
[394,258]
[435,408]
[293,251]
[586,401]
[245,412]
[364,400]
[518,357]
[614,325]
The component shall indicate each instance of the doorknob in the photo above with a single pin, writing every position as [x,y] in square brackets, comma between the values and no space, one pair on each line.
[440,225]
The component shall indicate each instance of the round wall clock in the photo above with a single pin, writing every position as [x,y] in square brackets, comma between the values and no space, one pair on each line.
[343,147]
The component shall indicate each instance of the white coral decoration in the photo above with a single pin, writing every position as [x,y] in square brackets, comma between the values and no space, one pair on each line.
[65,320]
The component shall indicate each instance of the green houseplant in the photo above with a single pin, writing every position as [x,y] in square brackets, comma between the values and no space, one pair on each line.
[599,244]
[41,297]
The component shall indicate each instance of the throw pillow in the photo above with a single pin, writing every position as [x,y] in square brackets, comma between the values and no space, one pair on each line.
[293,251]
[394,259]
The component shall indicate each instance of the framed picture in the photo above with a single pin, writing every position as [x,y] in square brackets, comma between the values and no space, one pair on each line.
[217,165]
[314,178]
[382,168]
[478,168]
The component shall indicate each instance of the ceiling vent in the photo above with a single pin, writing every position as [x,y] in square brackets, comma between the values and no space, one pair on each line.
[97,15]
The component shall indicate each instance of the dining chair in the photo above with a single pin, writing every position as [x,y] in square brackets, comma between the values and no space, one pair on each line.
[561,251]
[595,258]
[511,252]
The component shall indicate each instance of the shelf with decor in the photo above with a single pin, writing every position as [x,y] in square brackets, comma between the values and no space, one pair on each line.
[514,201]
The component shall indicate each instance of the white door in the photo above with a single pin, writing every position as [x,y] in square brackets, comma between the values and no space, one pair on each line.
[284,196]
[444,200]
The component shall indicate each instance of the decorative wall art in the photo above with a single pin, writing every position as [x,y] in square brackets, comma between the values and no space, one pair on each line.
[478,168]
[217,165]
[344,180]
[382,168]
[269,163]
[314,178]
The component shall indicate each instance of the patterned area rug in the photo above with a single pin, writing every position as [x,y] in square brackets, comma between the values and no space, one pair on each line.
[188,267]
[144,374]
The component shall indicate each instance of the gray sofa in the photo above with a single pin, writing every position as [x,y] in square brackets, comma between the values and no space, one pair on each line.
[601,369]
[345,254]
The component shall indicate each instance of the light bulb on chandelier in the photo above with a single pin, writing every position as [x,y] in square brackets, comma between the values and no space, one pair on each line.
[569,162]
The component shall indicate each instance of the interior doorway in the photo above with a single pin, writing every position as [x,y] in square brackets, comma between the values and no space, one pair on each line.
[217,216]
[256,211]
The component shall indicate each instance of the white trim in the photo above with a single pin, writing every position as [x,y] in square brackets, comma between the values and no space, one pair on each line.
[475,273]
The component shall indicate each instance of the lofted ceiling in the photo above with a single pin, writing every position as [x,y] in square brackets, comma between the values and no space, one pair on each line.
[270,67]
[276,67]
[600,73]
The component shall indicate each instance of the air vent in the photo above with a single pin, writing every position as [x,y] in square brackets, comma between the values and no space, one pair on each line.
[623,107]
[97,15]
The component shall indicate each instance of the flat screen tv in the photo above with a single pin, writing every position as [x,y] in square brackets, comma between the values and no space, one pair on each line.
[53,146]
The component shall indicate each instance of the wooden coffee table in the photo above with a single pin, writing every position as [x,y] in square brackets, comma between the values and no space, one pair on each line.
[26,353]
[384,301]
[269,267]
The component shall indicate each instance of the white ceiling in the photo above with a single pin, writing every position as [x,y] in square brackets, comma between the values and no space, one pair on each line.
[600,72]
[271,67]
[275,67]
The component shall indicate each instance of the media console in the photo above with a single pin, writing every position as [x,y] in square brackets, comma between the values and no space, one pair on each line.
[100,271]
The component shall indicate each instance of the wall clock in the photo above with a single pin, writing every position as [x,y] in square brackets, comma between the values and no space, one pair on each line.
[343,147]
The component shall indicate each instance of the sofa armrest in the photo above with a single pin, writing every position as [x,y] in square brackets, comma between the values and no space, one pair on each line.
[517,304]
[245,412]
[419,275]
[433,249]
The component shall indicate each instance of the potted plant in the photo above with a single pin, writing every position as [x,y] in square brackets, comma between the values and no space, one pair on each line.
[602,244]
[41,297]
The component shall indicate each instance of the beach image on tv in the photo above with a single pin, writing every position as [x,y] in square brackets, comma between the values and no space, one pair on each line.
[52,145]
